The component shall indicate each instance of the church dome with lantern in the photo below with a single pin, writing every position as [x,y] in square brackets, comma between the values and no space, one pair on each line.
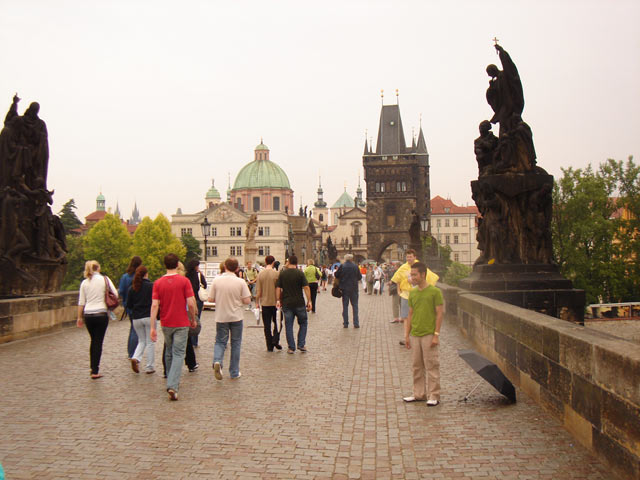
[262,185]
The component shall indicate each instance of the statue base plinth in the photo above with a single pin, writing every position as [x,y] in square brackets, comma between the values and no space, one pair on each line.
[538,287]
[250,253]
[31,278]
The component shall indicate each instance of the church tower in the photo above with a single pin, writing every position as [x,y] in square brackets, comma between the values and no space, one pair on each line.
[320,211]
[397,182]
[100,201]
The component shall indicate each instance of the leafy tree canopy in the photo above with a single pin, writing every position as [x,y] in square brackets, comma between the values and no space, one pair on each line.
[68,217]
[75,263]
[594,245]
[109,243]
[192,245]
[456,272]
[153,240]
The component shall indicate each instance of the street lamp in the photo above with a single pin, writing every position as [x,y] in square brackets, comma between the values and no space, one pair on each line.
[206,231]
[424,223]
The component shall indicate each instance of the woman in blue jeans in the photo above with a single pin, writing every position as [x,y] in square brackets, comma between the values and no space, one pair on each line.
[139,304]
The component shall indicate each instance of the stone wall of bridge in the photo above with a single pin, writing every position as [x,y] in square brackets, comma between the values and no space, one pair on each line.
[33,315]
[589,380]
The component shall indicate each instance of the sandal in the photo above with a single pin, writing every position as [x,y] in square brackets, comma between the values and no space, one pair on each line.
[95,376]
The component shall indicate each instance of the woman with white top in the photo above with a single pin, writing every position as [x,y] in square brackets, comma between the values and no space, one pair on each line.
[92,310]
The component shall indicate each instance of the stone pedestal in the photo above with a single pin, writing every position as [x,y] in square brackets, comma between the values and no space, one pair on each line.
[32,278]
[250,252]
[536,287]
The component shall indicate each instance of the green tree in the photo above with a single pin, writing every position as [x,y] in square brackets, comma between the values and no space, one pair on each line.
[75,263]
[192,245]
[68,216]
[153,240]
[586,234]
[109,243]
[456,272]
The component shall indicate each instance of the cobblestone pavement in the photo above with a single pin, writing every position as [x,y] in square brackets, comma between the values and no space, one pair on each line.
[335,412]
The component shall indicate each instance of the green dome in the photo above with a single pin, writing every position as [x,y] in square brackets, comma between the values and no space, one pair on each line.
[100,197]
[261,174]
[344,201]
[213,192]
[262,146]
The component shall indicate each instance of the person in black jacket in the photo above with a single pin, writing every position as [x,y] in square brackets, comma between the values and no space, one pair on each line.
[139,304]
[196,278]
[349,275]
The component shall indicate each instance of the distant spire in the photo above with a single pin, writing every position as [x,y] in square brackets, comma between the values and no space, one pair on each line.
[117,212]
[366,146]
[382,96]
[229,189]
[397,97]
[320,203]
[413,139]
[422,145]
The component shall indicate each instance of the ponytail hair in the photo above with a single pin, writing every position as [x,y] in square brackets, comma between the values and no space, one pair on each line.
[141,271]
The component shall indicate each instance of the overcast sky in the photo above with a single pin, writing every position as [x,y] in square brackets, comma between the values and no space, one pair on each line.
[148,100]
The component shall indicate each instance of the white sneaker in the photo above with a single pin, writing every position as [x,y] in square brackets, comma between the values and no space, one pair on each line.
[239,375]
[217,371]
[432,403]
[411,399]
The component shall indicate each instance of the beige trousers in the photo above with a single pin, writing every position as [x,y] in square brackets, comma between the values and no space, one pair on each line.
[426,368]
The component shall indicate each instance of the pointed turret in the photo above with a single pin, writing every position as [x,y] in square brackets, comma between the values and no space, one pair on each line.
[358,200]
[366,147]
[117,212]
[135,215]
[390,132]
[320,203]
[422,145]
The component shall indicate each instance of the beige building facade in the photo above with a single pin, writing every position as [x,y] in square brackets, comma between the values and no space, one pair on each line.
[455,227]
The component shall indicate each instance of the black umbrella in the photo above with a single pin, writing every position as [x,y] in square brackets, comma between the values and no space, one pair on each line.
[490,372]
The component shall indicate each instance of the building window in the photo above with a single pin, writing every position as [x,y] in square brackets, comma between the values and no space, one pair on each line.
[212,251]
[455,222]
[382,187]
[235,231]
[264,231]
[377,186]
[446,222]
[456,257]
[264,251]
[390,215]
[185,231]
[455,239]
[238,250]
[321,217]
[256,204]
[276,203]
[447,209]
[239,204]
[398,187]
[232,250]
[438,223]
[404,186]
[446,239]
[214,231]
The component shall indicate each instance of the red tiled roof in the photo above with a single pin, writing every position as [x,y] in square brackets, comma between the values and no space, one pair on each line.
[438,205]
[95,216]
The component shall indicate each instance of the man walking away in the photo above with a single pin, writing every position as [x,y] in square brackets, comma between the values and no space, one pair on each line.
[170,295]
[291,283]
[422,336]
[349,276]
[266,298]
[312,273]
[229,292]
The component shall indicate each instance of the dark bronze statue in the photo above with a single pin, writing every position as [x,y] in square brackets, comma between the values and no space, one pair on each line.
[32,245]
[512,193]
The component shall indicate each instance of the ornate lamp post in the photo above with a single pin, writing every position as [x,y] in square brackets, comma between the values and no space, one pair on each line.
[424,224]
[206,231]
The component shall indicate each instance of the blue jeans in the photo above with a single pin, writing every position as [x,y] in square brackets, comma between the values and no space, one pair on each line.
[222,337]
[143,330]
[289,316]
[175,340]
[132,343]
[350,296]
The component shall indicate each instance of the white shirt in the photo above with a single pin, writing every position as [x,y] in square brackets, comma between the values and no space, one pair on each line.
[92,292]
[227,291]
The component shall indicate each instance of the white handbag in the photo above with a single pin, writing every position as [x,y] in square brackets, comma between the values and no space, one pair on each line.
[203,295]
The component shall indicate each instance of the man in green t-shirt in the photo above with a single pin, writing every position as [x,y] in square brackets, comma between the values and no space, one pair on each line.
[422,335]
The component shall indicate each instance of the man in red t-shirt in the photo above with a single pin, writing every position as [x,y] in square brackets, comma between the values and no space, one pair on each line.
[173,296]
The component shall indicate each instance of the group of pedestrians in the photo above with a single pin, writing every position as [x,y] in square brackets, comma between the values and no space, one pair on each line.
[292,291]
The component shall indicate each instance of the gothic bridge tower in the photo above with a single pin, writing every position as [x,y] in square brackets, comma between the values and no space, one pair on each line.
[397,183]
